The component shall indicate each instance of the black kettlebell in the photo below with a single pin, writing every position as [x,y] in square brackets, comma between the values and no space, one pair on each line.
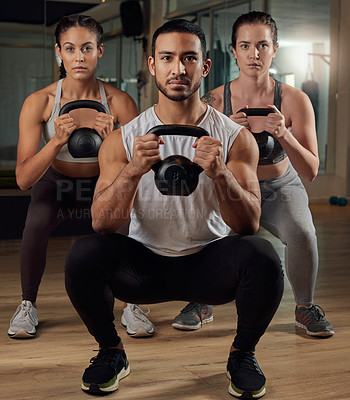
[265,141]
[84,142]
[177,175]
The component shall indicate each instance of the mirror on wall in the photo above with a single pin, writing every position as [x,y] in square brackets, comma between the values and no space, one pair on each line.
[303,57]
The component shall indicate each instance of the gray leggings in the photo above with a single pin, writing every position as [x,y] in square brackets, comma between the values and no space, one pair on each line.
[286,215]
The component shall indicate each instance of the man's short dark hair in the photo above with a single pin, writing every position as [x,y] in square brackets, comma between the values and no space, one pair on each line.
[180,25]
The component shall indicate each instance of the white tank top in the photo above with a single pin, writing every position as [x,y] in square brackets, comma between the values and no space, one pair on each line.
[49,127]
[178,225]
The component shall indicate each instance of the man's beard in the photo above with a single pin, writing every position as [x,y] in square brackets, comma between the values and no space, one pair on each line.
[180,96]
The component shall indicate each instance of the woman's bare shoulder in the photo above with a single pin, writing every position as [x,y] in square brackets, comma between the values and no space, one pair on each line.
[113,91]
[293,98]
[41,101]
[214,98]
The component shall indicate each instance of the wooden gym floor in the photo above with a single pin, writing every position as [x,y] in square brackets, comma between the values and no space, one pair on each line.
[177,365]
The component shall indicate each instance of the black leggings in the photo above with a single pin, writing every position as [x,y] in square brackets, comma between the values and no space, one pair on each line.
[54,198]
[246,269]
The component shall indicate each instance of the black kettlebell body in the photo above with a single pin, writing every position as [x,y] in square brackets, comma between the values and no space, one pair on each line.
[176,175]
[264,140]
[84,142]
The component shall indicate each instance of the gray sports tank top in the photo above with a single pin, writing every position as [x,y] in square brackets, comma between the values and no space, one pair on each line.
[49,127]
[277,154]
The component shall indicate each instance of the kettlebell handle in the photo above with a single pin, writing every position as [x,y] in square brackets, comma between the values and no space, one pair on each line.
[177,175]
[264,139]
[178,130]
[83,142]
[257,112]
[73,105]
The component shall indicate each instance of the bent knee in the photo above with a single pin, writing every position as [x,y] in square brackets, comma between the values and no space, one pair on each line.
[40,221]
[80,255]
[305,236]
[297,231]
[265,262]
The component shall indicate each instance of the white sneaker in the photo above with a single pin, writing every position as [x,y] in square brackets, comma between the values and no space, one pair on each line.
[136,322]
[24,321]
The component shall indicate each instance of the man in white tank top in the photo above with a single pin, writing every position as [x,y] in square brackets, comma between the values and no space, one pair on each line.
[178,247]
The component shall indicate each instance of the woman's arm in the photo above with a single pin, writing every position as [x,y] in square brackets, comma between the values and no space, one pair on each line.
[32,163]
[301,145]
[121,105]
[126,109]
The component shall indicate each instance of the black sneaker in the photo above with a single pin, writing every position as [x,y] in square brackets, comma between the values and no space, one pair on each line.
[313,320]
[193,316]
[106,369]
[247,379]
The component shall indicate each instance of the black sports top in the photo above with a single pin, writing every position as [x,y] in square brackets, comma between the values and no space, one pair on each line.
[277,154]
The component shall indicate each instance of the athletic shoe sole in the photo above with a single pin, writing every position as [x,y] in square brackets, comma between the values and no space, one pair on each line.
[99,389]
[244,394]
[21,334]
[139,333]
[319,334]
[192,327]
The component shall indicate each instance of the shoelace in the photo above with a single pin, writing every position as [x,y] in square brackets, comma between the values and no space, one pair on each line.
[317,312]
[191,307]
[22,312]
[104,357]
[138,313]
[245,359]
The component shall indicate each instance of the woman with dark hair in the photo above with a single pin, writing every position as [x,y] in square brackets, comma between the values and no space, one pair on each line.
[61,185]
[291,126]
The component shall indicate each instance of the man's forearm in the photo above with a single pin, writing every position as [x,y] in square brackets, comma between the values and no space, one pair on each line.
[112,205]
[239,208]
